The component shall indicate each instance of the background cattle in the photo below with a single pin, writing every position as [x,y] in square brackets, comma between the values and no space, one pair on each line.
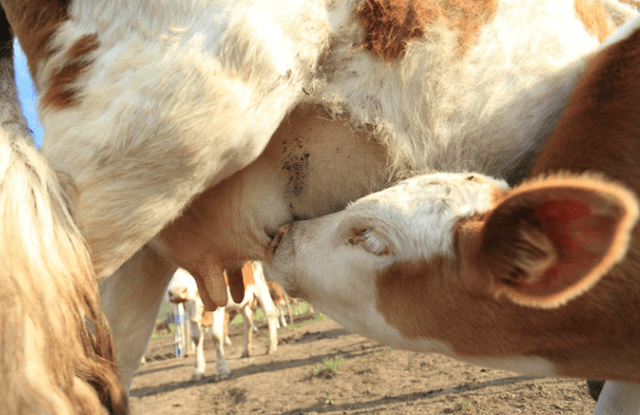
[281,301]
[183,289]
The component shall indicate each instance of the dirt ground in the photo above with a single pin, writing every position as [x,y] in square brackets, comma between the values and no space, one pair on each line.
[373,379]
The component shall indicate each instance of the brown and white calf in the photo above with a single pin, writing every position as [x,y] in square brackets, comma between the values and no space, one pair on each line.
[183,289]
[275,110]
[542,279]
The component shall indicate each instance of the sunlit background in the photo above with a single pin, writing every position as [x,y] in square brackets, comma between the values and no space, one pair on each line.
[27,93]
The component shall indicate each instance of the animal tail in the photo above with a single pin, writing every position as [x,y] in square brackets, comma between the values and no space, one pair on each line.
[56,351]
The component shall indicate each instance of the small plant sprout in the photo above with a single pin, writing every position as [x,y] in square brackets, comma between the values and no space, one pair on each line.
[461,405]
[329,399]
[334,364]
[329,365]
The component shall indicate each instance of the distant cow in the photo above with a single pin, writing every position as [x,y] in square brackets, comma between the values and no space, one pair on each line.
[184,290]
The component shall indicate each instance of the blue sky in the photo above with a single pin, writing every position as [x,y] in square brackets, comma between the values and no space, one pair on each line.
[27,93]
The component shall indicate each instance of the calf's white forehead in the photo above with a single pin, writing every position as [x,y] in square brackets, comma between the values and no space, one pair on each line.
[419,214]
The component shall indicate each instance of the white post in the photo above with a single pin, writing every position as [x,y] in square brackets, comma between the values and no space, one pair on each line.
[178,330]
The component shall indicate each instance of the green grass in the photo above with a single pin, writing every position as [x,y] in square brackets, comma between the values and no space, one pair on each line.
[259,315]
[334,364]
[165,308]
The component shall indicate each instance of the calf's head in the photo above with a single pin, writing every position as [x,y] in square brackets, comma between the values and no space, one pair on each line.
[462,265]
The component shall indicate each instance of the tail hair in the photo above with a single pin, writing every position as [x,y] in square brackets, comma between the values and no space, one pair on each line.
[56,350]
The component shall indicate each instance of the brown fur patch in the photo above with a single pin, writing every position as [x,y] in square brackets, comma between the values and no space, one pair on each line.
[585,338]
[207,319]
[34,22]
[61,92]
[247,273]
[594,16]
[600,128]
[276,292]
[391,24]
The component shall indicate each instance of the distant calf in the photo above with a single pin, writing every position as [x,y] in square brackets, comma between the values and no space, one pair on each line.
[542,279]
[183,289]
[281,301]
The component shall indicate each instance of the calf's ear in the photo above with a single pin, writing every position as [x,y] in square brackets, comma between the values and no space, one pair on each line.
[552,239]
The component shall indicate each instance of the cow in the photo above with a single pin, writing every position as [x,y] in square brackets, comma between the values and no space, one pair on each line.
[192,130]
[542,279]
[183,289]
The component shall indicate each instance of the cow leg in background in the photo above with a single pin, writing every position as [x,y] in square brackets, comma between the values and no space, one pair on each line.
[247,321]
[131,299]
[222,367]
[197,337]
[618,398]
[282,319]
[267,305]
[288,306]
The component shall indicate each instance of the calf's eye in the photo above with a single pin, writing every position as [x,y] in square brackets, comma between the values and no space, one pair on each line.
[370,240]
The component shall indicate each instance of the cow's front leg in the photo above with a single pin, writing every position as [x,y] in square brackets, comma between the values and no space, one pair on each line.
[131,299]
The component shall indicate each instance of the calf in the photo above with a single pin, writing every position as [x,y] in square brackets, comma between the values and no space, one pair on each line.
[183,289]
[281,300]
[542,279]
